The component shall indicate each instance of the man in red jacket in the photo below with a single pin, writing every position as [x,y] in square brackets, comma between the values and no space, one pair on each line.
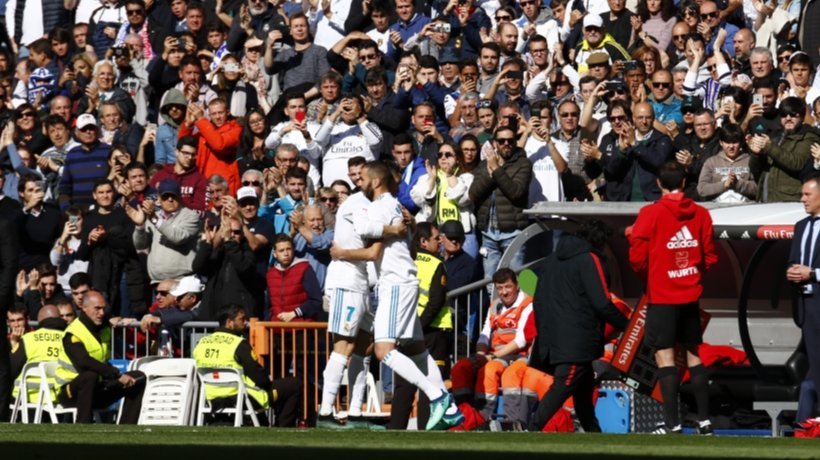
[218,140]
[671,245]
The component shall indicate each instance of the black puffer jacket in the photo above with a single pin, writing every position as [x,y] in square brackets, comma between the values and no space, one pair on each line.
[571,306]
[511,184]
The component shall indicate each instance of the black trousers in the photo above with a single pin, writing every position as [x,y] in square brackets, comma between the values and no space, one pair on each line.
[86,392]
[6,381]
[570,379]
[404,392]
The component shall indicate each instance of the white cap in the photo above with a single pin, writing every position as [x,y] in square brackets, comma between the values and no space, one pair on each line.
[246,192]
[593,20]
[186,285]
[86,119]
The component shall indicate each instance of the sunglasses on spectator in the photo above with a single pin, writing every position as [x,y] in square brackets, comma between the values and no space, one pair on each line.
[236,232]
[503,17]
[592,29]
[328,199]
[687,110]
[446,155]
[27,115]
[252,183]
[784,58]
[162,293]
[617,118]
[255,49]
[679,37]
[569,114]
[532,2]
[790,115]
[661,84]
[168,196]
[711,68]
[705,16]
[134,12]
[368,57]
[505,140]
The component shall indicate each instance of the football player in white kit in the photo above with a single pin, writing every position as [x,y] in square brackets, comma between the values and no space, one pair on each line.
[396,320]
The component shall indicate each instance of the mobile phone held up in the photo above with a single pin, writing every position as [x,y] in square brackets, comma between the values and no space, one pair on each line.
[300,116]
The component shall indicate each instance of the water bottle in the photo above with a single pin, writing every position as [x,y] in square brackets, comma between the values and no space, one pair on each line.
[165,349]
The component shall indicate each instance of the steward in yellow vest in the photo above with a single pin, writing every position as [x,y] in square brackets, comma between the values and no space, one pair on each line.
[86,380]
[227,348]
[44,344]
[436,320]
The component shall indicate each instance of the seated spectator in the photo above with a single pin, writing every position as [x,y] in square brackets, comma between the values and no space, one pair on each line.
[725,177]
[36,347]
[292,285]
[502,348]
[183,294]
[169,233]
[16,324]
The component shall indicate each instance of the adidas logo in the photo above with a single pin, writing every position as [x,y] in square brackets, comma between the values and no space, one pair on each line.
[682,240]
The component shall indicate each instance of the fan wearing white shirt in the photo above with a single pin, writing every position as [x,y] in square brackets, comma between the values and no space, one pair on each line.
[299,132]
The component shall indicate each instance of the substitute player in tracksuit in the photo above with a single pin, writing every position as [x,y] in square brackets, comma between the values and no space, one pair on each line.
[671,246]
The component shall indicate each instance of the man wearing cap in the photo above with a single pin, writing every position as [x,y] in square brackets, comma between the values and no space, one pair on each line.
[169,233]
[182,296]
[597,39]
[462,270]
[598,65]
[448,61]
[192,183]
[84,164]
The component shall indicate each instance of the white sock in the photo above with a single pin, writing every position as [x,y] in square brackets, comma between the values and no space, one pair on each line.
[357,373]
[425,362]
[332,379]
[404,366]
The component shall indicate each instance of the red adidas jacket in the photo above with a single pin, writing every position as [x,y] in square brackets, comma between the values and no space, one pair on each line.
[671,245]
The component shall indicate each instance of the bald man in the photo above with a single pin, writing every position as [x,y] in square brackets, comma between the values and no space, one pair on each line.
[86,379]
[744,41]
[641,153]
[44,344]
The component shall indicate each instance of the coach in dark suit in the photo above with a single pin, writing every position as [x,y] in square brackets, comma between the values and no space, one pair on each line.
[804,272]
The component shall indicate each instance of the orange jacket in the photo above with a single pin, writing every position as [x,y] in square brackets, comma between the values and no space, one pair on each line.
[505,326]
[217,149]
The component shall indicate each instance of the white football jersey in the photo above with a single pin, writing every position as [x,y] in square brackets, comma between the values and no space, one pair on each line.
[345,274]
[396,265]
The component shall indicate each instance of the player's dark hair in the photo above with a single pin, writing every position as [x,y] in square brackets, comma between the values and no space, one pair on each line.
[671,175]
[596,232]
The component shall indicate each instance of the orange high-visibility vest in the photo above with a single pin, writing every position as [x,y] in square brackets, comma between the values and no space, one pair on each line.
[505,325]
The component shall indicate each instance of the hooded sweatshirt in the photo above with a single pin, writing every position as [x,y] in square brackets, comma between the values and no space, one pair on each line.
[677,233]
[166,143]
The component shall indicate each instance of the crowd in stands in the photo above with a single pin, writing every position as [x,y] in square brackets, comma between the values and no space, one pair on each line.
[182,155]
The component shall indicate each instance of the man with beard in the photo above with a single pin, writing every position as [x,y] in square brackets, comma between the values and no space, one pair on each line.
[763,118]
[777,163]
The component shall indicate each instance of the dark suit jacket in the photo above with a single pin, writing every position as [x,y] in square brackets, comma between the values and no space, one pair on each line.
[9,255]
[812,300]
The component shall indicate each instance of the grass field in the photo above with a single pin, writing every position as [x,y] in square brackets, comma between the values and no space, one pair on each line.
[155,443]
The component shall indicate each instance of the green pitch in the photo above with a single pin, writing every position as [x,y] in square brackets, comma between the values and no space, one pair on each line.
[154,443]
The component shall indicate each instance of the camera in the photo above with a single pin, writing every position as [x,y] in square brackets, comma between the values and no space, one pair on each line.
[512,122]
[515,74]
[120,51]
[231,67]
[441,28]
[182,43]
[613,86]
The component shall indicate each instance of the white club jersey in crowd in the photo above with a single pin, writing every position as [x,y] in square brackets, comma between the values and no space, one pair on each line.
[396,265]
[340,273]
[546,181]
[343,142]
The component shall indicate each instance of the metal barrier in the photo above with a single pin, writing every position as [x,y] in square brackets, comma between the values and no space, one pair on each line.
[129,342]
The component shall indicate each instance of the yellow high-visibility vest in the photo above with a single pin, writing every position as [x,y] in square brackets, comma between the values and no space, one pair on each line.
[99,350]
[426,266]
[218,350]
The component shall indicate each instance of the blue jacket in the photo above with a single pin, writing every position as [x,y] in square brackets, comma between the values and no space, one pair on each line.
[81,169]
[409,177]
[317,253]
[279,213]
[406,30]
[668,110]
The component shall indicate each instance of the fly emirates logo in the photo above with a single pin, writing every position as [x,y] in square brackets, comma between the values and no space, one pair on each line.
[681,242]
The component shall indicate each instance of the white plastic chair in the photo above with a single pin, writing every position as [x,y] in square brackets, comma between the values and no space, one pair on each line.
[46,403]
[225,377]
[21,403]
[169,390]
